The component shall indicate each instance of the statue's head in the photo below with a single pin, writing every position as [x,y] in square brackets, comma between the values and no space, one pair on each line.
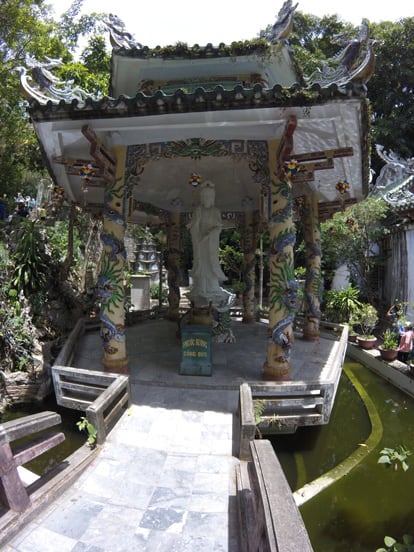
[207,194]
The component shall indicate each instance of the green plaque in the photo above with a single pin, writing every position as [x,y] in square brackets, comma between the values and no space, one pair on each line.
[195,350]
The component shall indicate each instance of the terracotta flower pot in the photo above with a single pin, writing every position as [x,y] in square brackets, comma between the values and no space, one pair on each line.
[366,342]
[388,354]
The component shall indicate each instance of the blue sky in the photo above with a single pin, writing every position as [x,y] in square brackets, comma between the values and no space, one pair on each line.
[165,22]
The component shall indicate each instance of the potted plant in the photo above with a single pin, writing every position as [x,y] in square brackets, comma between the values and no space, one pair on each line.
[367,318]
[352,334]
[388,348]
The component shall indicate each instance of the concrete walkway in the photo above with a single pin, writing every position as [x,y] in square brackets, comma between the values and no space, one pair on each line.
[164,481]
[165,478]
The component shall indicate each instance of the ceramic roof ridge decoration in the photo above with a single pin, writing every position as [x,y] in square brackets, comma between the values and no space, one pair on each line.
[355,62]
[40,84]
[120,38]
[170,85]
[395,183]
[284,22]
[118,35]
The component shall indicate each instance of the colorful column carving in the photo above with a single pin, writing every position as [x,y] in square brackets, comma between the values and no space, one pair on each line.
[249,251]
[283,285]
[111,279]
[174,256]
[313,280]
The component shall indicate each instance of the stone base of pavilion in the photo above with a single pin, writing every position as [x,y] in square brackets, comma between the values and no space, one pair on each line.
[154,354]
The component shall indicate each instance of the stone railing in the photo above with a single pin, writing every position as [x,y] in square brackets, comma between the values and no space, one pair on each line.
[101,395]
[21,497]
[269,518]
[14,493]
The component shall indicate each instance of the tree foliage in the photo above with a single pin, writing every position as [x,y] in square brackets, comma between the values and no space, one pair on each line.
[391,88]
[27,29]
[351,238]
[313,39]
[24,30]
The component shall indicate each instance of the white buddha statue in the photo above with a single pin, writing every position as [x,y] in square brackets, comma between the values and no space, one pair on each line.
[205,228]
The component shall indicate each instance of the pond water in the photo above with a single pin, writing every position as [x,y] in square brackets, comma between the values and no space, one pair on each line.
[73,437]
[356,512]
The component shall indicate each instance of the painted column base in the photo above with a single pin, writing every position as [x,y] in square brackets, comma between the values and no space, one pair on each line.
[116,365]
[275,368]
[173,315]
[311,331]
[248,319]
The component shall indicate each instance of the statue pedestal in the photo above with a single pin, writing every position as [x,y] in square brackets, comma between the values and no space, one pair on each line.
[195,350]
[219,298]
[140,292]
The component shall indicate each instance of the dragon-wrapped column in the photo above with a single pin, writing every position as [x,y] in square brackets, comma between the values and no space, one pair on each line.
[249,251]
[174,256]
[111,279]
[282,285]
[313,281]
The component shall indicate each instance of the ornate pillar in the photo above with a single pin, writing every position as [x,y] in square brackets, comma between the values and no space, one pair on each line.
[174,255]
[283,285]
[313,268]
[249,251]
[111,279]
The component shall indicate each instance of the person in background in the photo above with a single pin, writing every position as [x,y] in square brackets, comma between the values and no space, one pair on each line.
[406,343]
[22,210]
[395,315]
[394,312]
[2,210]
[19,198]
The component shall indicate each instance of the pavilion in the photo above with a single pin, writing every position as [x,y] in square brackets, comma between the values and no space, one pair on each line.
[278,146]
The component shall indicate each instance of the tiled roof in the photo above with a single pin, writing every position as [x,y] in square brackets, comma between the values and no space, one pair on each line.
[182,102]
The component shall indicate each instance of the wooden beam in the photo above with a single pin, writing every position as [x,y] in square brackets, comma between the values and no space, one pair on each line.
[306,170]
[73,162]
[327,209]
[286,144]
[326,154]
[102,156]
[73,166]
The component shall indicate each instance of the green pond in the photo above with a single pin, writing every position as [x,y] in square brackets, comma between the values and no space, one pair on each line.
[73,437]
[372,500]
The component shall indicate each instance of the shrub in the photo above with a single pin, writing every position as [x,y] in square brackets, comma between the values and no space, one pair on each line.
[341,305]
[366,318]
[389,340]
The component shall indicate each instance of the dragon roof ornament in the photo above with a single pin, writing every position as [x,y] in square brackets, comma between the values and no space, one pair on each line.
[395,183]
[354,63]
[120,38]
[40,84]
[283,24]
[118,35]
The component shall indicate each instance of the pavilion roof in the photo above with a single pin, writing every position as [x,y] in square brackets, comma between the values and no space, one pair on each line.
[172,107]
